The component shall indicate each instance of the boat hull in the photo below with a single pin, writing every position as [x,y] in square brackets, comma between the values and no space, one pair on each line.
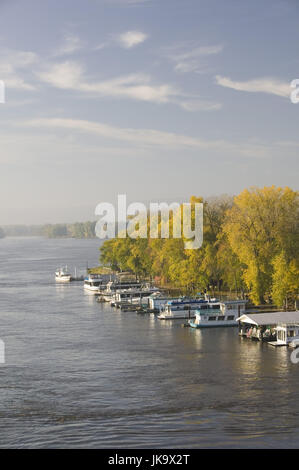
[63,279]
[212,324]
[93,290]
[179,316]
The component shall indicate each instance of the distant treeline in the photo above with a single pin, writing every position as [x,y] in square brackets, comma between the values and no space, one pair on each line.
[76,230]
[251,245]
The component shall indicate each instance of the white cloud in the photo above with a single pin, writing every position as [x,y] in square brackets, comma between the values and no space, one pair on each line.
[147,137]
[131,39]
[260,85]
[200,105]
[71,76]
[67,75]
[189,57]
[71,44]
[12,63]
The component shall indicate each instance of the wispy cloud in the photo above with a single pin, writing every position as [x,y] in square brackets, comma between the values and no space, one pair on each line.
[126,40]
[71,76]
[71,44]
[131,39]
[189,57]
[12,63]
[259,85]
[200,105]
[147,137]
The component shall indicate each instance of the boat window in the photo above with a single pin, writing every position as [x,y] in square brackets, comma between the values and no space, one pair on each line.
[215,307]
[221,318]
[230,317]
[212,318]
[187,307]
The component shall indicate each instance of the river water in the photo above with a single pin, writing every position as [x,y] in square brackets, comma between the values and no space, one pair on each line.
[81,374]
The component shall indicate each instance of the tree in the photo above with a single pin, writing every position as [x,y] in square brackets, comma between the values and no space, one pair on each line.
[259,225]
[285,288]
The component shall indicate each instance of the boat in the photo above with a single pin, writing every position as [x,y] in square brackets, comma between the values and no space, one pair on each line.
[62,275]
[157,300]
[113,287]
[275,328]
[182,308]
[216,314]
[94,283]
[133,296]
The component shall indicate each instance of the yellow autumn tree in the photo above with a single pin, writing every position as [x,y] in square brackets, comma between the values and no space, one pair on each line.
[262,223]
[285,288]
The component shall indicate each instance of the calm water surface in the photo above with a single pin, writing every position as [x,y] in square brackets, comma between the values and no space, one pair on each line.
[80,374]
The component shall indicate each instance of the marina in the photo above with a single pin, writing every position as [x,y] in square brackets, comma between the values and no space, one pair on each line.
[132,295]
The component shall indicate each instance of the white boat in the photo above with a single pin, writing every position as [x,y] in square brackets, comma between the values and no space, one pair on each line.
[182,308]
[133,296]
[113,287]
[93,283]
[156,301]
[62,275]
[217,314]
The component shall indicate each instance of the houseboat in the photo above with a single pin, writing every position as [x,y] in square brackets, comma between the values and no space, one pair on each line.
[133,296]
[216,314]
[113,287]
[277,328]
[157,300]
[182,308]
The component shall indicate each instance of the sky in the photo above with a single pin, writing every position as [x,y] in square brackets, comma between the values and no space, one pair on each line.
[155,99]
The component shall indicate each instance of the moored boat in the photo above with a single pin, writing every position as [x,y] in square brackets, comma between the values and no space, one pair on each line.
[93,283]
[182,308]
[62,275]
[218,314]
[113,287]
[134,296]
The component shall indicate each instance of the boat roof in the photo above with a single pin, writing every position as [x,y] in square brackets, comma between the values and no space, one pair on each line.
[271,318]
[193,301]
[134,291]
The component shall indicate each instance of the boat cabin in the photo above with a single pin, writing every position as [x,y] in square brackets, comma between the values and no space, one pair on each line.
[278,328]
[218,314]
